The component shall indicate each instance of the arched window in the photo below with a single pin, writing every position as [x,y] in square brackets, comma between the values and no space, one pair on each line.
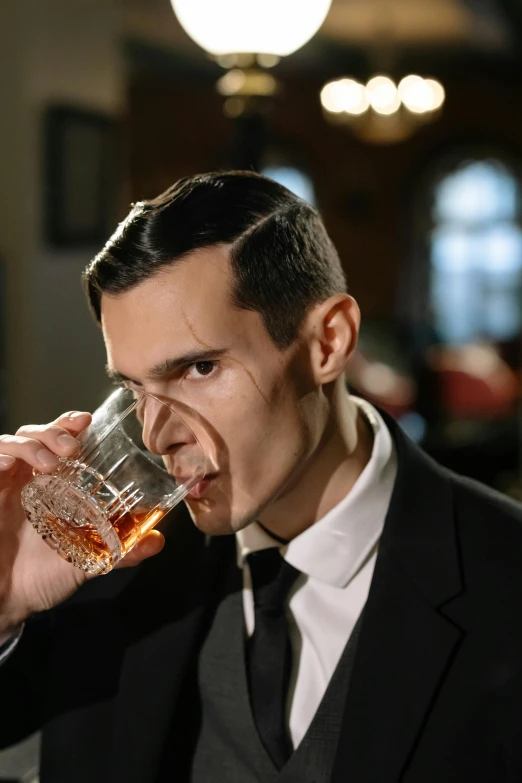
[475,252]
[294,179]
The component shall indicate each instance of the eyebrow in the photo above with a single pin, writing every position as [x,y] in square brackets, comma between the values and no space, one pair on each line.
[168,366]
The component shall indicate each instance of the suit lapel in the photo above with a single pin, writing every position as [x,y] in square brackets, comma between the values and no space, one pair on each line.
[406,645]
[165,627]
[404,651]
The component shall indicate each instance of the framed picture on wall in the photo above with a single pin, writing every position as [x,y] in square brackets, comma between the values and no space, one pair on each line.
[80,174]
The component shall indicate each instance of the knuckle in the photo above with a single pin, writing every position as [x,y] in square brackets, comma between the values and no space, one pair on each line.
[27,431]
[54,429]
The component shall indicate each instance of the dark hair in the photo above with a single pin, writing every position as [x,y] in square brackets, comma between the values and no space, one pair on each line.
[282,259]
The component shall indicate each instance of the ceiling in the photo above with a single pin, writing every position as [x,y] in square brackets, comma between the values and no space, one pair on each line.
[413,22]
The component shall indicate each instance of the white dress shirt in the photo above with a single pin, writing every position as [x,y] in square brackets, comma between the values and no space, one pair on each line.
[336,557]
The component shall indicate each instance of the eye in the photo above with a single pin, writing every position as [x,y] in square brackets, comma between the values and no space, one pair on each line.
[201,369]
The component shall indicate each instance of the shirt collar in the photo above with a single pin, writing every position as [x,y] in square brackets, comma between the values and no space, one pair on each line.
[336,546]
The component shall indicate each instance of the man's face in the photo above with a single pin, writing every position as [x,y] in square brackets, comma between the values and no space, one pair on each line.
[256,405]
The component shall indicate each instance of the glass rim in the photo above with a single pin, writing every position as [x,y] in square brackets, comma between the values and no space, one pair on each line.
[123,415]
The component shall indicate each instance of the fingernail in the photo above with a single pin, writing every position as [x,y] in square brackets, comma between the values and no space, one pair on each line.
[67,441]
[6,462]
[77,415]
[46,459]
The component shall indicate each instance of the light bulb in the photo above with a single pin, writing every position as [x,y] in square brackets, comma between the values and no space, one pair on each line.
[438,92]
[344,95]
[277,27]
[417,94]
[383,95]
[330,98]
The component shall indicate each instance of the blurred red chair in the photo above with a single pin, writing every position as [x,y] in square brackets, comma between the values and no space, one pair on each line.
[474,382]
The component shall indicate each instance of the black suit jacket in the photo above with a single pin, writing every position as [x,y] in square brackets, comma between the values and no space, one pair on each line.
[436,691]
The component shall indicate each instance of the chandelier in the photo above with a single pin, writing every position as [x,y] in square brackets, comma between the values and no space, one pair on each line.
[382,111]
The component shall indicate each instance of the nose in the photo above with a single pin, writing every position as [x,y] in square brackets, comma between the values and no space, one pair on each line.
[163,431]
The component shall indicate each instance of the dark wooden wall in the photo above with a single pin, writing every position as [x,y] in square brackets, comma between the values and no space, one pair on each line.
[367,193]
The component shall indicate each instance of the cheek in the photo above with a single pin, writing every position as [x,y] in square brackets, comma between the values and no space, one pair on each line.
[267,442]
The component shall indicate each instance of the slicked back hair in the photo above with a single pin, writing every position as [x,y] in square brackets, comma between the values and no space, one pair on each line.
[282,260]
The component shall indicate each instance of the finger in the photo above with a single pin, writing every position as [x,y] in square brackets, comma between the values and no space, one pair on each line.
[36,452]
[57,440]
[73,421]
[151,545]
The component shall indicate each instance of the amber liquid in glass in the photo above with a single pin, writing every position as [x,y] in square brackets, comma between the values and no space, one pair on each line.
[130,527]
[82,544]
[91,529]
[127,528]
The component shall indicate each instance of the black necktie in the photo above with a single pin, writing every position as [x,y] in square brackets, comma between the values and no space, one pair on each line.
[269,655]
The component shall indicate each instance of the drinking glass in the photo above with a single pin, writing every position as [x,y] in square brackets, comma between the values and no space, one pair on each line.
[137,460]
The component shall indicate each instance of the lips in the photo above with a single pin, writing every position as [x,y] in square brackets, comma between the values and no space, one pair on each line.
[200,488]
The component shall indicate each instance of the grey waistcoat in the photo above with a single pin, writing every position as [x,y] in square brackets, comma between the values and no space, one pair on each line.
[228,749]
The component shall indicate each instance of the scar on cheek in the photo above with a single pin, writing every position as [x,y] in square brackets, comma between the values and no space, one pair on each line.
[252,378]
[250,375]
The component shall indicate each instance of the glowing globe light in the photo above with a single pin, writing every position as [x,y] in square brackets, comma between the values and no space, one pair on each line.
[344,95]
[356,100]
[439,95]
[415,94]
[331,98]
[353,96]
[383,95]
[274,27]
[409,86]
[421,95]
[232,82]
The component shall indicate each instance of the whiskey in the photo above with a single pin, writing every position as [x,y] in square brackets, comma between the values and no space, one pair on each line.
[83,532]
[84,545]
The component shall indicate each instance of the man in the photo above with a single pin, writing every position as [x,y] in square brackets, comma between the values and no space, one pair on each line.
[341,609]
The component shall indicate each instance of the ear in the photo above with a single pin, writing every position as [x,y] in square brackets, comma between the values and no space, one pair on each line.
[332,328]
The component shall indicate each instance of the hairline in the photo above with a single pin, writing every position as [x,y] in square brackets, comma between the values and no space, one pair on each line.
[231,294]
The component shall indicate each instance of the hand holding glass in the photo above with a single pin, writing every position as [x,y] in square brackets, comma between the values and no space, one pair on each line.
[138,459]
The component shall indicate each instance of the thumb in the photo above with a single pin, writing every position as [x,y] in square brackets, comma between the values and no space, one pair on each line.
[151,545]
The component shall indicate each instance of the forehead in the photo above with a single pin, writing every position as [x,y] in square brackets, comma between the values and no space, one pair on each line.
[184,307]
